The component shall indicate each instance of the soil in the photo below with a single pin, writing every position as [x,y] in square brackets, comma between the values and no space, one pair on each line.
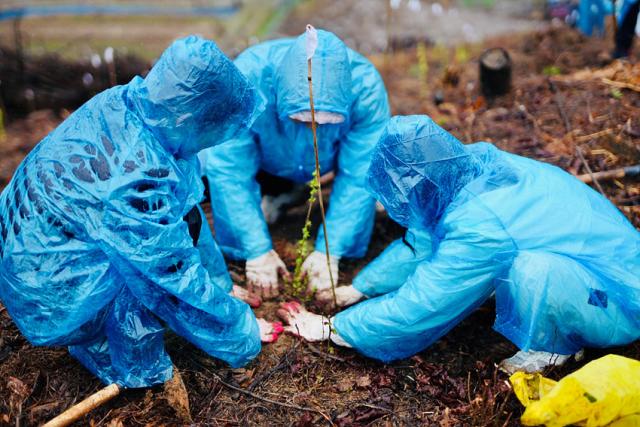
[454,382]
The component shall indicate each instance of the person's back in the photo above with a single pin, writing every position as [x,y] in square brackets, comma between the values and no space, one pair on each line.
[544,209]
[95,245]
[56,204]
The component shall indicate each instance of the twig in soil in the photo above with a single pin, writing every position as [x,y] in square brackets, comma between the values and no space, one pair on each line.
[558,100]
[594,135]
[586,165]
[83,408]
[380,408]
[283,363]
[321,353]
[273,402]
[621,85]
[610,174]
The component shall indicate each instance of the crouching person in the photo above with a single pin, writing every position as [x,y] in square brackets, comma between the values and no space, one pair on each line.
[102,242]
[277,156]
[563,262]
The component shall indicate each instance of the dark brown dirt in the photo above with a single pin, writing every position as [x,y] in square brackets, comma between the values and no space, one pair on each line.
[455,382]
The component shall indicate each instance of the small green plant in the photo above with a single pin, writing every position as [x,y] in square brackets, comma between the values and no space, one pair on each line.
[616,93]
[551,70]
[299,283]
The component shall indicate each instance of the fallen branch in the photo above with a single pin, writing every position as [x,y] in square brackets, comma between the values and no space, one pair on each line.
[621,85]
[83,408]
[589,137]
[610,174]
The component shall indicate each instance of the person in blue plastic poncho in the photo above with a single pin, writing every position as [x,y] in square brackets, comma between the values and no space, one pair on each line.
[592,14]
[351,111]
[102,242]
[627,22]
[563,262]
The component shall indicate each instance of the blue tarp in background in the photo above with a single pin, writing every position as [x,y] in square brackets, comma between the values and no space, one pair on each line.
[27,9]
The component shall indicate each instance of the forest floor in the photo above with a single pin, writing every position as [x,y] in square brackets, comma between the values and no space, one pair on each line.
[565,101]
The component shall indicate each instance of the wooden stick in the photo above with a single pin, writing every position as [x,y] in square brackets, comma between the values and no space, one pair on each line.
[611,174]
[83,408]
[315,149]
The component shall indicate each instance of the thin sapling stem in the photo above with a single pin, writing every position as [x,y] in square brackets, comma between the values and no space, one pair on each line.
[310,53]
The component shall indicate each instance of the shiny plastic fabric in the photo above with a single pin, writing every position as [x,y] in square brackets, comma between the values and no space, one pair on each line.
[563,261]
[604,392]
[625,9]
[344,83]
[95,251]
[592,14]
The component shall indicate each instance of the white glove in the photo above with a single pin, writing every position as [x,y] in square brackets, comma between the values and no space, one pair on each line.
[262,274]
[244,295]
[269,332]
[311,327]
[315,267]
[345,295]
[531,361]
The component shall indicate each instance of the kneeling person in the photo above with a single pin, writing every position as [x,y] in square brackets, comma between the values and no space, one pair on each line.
[563,262]
[351,112]
[102,242]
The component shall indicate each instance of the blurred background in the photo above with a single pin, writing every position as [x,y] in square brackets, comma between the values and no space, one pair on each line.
[56,54]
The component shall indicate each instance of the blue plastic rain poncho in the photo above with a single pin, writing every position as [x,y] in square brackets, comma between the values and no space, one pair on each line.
[95,253]
[344,83]
[591,16]
[625,9]
[563,261]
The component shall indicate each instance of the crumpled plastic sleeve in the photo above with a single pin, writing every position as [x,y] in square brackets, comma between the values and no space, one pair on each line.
[440,293]
[166,273]
[231,168]
[391,269]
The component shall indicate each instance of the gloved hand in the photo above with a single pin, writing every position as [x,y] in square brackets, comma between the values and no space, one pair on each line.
[315,268]
[309,326]
[250,298]
[301,323]
[345,295]
[262,274]
[269,332]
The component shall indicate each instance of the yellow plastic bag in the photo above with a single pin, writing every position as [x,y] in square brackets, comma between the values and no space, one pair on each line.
[605,392]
